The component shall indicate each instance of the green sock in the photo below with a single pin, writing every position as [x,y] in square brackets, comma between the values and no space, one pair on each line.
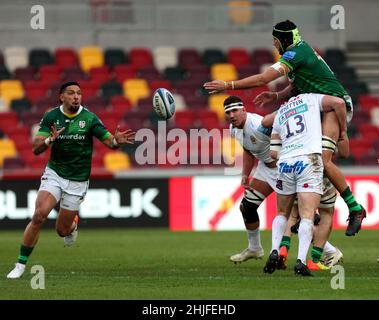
[286,241]
[24,254]
[349,199]
[316,254]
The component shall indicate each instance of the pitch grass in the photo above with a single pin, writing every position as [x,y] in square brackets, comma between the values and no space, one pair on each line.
[155,264]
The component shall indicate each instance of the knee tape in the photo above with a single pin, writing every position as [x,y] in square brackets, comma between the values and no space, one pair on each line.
[249,211]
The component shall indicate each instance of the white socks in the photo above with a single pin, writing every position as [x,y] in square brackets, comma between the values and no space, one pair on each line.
[305,238]
[254,239]
[278,228]
[329,248]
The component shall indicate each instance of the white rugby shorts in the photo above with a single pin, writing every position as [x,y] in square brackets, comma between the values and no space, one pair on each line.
[300,174]
[70,193]
[269,175]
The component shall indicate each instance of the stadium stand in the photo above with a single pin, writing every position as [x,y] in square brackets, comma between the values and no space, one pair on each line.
[118,85]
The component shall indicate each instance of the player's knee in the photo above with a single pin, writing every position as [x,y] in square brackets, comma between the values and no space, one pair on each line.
[62,231]
[39,217]
[249,211]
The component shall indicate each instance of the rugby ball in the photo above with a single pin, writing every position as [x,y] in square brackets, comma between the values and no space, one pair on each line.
[163,103]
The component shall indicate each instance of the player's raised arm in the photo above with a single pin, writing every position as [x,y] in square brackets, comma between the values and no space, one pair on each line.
[41,143]
[277,70]
[120,138]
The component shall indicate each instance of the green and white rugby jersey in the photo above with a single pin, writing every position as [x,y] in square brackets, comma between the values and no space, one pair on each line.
[71,152]
[309,73]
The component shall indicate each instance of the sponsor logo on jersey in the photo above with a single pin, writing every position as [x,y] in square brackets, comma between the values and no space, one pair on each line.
[298,167]
[82,124]
[289,55]
[292,112]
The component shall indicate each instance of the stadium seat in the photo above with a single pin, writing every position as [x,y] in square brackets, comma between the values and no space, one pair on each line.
[216,103]
[148,72]
[174,74]
[4,73]
[38,57]
[88,88]
[15,57]
[11,89]
[45,103]
[13,163]
[223,71]
[208,119]
[50,73]
[120,103]
[238,57]
[247,70]
[95,104]
[135,89]
[25,74]
[73,73]
[185,119]
[8,120]
[90,57]
[165,56]
[116,161]
[30,119]
[189,57]
[211,56]
[100,75]
[7,150]
[124,72]
[140,57]
[111,88]
[20,105]
[36,89]
[65,57]
[115,56]
[155,84]
[240,12]
[368,102]
[261,56]
[198,72]
[196,102]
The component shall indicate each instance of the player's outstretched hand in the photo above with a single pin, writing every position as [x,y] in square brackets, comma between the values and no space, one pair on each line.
[54,133]
[215,86]
[124,137]
[264,98]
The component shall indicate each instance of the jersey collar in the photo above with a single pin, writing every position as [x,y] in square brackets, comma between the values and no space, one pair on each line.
[71,115]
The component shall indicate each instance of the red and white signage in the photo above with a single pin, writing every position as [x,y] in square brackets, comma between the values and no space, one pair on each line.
[212,203]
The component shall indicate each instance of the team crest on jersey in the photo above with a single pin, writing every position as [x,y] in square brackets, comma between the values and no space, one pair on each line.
[253,140]
[82,124]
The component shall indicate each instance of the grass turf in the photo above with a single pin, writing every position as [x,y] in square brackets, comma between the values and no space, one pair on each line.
[151,264]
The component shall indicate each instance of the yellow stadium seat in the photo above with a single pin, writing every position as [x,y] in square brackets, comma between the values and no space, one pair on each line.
[216,103]
[135,89]
[116,161]
[7,150]
[90,57]
[11,89]
[224,71]
[241,12]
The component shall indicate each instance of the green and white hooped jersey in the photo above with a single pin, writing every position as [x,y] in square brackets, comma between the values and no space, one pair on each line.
[71,152]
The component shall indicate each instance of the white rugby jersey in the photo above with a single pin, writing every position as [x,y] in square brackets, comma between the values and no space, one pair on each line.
[298,122]
[254,137]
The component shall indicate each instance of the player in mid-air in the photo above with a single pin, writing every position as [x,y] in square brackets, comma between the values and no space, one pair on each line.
[296,141]
[69,129]
[308,73]
[255,139]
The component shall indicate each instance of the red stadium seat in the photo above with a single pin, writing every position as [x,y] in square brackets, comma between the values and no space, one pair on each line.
[50,72]
[155,84]
[140,57]
[124,72]
[185,119]
[238,57]
[66,57]
[367,102]
[8,121]
[36,89]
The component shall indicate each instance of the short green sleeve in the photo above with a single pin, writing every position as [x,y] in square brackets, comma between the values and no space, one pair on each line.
[99,130]
[45,125]
[292,58]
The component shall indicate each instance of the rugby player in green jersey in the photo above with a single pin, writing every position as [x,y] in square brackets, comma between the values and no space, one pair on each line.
[308,73]
[69,130]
